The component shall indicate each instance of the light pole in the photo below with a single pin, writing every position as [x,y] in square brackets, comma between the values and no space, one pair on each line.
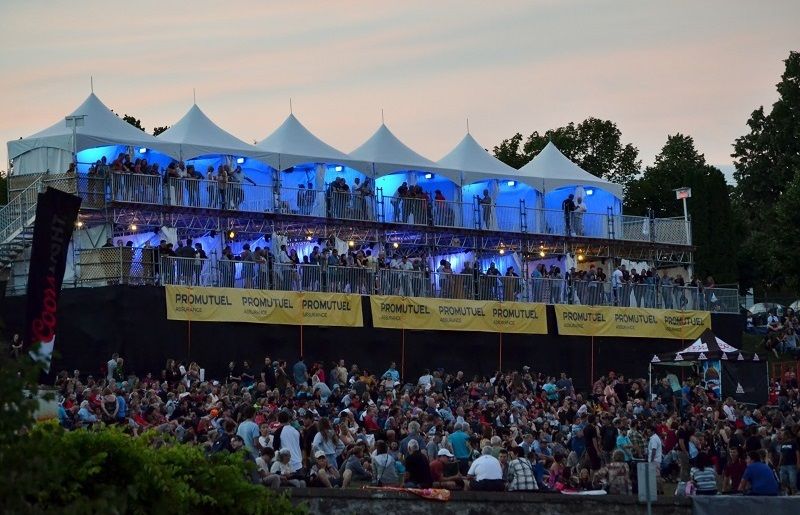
[74,122]
[683,194]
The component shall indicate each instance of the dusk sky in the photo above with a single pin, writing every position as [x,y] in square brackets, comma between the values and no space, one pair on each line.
[654,68]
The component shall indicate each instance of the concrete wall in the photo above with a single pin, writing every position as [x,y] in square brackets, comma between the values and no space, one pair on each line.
[349,501]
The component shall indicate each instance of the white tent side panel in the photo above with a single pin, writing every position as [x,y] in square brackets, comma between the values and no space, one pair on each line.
[41,159]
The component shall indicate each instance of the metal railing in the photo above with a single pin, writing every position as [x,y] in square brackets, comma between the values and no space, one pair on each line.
[234,196]
[129,265]
[15,216]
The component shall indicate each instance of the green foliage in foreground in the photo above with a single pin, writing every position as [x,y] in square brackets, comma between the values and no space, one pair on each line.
[107,471]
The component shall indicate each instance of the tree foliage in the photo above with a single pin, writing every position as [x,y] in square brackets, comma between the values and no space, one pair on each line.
[767,161]
[49,470]
[679,164]
[134,121]
[108,471]
[595,145]
[159,130]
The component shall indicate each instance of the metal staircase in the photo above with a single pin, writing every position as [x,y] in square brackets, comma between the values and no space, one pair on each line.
[16,223]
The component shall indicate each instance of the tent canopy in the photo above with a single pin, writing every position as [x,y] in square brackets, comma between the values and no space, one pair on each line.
[292,144]
[388,155]
[475,163]
[101,128]
[551,169]
[196,135]
[706,348]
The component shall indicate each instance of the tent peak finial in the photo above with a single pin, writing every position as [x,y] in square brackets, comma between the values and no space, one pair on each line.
[467,124]
[91,83]
[194,96]
[290,106]
[383,122]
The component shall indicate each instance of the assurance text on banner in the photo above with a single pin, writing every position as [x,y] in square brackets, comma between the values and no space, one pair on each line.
[396,312]
[630,322]
[263,306]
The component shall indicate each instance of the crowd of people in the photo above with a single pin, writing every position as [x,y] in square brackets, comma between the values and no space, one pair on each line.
[358,270]
[342,426]
[781,336]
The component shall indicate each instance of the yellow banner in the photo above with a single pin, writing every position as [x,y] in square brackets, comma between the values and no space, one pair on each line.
[263,306]
[631,322]
[394,312]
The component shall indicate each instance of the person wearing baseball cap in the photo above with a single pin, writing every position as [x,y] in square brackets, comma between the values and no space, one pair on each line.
[444,471]
[323,474]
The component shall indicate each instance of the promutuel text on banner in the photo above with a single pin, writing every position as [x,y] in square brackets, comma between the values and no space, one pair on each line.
[263,306]
[395,312]
[630,322]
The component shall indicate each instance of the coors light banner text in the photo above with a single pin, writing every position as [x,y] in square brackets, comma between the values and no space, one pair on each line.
[56,213]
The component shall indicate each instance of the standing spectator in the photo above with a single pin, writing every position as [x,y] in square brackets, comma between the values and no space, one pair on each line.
[300,372]
[248,431]
[789,459]
[287,437]
[111,367]
[568,206]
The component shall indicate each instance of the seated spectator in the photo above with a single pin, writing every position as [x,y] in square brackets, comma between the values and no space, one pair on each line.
[384,466]
[521,477]
[282,468]
[758,478]
[356,467]
[444,472]
[703,476]
[485,473]
[418,472]
[323,474]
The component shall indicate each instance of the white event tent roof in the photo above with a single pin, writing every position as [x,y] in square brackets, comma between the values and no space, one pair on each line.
[196,135]
[292,144]
[101,127]
[551,169]
[475,163]
[388,154]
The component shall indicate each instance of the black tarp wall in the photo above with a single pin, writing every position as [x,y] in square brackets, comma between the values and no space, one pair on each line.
[131,320]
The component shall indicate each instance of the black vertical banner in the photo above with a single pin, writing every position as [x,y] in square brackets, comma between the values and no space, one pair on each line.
[745,381]
[56,213]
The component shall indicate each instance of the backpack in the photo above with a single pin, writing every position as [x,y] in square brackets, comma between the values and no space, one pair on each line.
[276,438]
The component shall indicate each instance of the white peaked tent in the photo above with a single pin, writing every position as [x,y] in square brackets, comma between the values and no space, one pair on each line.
[388,154]
[475,163]
[51,149]
[292,144]
[196,135]
[551,169]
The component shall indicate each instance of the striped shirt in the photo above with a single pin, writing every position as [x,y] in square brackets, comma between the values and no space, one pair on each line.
[705,480]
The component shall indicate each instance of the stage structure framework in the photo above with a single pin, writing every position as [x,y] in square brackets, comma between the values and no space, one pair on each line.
[467,208]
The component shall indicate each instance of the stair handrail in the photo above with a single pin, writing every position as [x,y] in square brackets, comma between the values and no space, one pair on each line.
[20,209]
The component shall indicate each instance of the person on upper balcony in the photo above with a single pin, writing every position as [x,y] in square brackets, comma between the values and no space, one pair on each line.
[568,207]
[486,209]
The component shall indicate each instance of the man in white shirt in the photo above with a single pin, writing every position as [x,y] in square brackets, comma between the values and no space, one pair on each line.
[730,410]
[486,473]
[287,437]
[616,283]
[655,447]
[655,453]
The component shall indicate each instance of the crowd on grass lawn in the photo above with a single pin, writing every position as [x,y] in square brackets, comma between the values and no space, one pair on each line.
[338,425]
